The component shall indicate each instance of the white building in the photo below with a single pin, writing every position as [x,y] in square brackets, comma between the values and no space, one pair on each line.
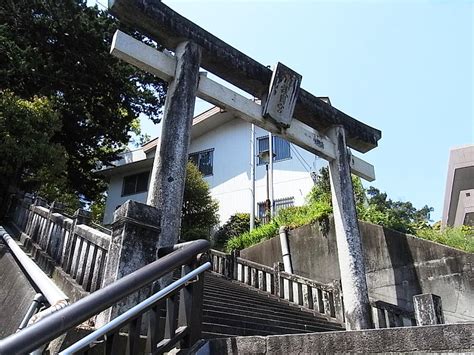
[458,207]
[220,147]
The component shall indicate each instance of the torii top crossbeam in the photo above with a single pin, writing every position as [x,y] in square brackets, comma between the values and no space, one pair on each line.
[169,28]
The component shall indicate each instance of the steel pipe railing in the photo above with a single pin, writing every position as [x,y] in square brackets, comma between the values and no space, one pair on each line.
[56,324]
[48,288]
[140,308]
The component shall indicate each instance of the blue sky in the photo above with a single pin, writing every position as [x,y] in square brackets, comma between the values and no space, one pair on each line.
[404,67]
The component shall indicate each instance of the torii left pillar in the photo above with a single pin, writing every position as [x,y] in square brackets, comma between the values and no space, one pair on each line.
[169,167]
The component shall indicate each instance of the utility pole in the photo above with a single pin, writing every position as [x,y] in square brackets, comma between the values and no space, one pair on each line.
[252,177]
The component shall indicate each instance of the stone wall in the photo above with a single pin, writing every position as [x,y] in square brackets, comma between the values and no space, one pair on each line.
[398,266]
[438,339]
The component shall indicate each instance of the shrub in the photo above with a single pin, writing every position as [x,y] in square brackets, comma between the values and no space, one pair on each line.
[236,225]
[199,213]
[291,217]
[457,237]
[248,239]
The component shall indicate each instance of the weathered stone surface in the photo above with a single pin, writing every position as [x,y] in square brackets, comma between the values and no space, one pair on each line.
[428,309]
[16,292]
[239,345]
[133,246]
[169,168]
[282,95]
[349,244]
[453,338]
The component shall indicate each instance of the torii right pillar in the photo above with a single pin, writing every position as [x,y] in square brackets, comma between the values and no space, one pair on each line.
[349,245]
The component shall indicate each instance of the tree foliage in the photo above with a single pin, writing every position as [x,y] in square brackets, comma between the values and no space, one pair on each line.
[374,206]
[60,50]
[236,225]
[397,215]
[28,156]
[199,213]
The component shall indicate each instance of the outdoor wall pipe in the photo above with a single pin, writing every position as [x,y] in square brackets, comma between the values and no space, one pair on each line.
[37,302]
[55,297]
[285,250]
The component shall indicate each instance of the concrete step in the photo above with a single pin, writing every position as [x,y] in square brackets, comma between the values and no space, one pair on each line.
[233,302]
[235,309]
[272,317]
[235,331]
[257,328]
[211,335]
[262,322]
[232,288]
[249,299]
[267,312]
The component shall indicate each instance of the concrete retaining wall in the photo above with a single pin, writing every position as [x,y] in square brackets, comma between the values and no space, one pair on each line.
[438,339]
[398,266]
[16,293]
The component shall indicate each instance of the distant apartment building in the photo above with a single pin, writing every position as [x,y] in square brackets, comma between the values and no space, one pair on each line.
[459,196]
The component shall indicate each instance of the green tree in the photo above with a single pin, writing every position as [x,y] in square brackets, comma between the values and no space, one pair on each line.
[321,191]
[398,215]
[60,50]
[374,206]
[199,212]
[236,225]
[97,208]
[29,157]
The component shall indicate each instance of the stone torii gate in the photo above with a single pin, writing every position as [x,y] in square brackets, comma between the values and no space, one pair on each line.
[286,110]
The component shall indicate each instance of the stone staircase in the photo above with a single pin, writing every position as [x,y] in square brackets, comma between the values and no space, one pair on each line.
[235,309]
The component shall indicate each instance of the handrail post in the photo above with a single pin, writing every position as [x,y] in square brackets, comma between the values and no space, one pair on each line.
[235,265]
[228,266]
[338,300]
[190,308]
[54,239]
[80,216]
[277,281]
[135,231]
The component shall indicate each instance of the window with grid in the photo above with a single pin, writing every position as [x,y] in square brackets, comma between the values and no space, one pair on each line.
[134,184]
[281,148]
[283,203]
[278,204]
[203,160]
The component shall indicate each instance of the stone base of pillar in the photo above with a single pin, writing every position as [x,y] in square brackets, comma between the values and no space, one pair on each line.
[135,232]
[428,309]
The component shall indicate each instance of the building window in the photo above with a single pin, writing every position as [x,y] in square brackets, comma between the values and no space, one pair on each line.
[134,184]
[203,160]
[283,203]
[278,204]
[281,148]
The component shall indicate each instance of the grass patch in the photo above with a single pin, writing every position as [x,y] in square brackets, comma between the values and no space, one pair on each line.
[291,217]
[459,237]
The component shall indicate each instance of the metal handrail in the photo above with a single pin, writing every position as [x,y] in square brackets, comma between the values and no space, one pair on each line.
[135,311]
[47,287]
[50,328]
